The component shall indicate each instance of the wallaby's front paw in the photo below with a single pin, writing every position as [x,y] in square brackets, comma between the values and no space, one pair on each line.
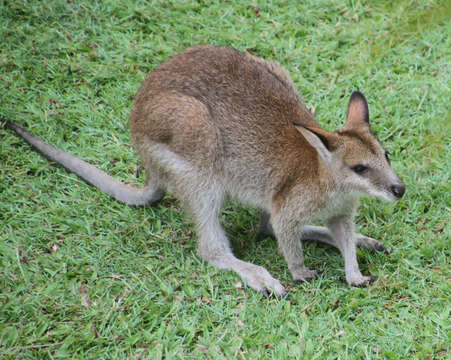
[304,275]
[361,281]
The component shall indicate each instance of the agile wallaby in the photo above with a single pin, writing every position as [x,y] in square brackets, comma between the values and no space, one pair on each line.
[213,123]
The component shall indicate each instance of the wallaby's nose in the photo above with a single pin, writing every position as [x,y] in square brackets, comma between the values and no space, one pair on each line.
[398,190]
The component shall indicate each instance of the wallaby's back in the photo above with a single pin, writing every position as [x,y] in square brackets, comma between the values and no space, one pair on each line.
[221,108]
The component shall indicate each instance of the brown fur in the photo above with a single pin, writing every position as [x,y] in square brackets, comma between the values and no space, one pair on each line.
[214,94]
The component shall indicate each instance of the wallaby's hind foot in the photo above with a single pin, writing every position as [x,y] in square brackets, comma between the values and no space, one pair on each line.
[256,277]
[214,246]
[215,250]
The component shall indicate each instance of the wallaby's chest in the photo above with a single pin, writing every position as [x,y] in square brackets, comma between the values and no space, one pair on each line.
[336,204]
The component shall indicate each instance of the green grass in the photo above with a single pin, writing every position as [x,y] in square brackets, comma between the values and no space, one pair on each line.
[82,276]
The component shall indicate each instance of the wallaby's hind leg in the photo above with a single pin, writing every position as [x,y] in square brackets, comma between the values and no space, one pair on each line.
[203,196]
[214,245]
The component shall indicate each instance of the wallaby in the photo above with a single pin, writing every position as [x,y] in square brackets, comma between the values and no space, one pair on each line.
[214,123]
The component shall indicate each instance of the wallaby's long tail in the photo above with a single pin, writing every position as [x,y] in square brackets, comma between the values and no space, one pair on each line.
[126,194]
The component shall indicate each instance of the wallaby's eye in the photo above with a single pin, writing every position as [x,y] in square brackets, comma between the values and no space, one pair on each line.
[359,169]
[387,157]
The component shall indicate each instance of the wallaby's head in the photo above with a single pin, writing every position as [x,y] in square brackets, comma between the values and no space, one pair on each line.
[357,160]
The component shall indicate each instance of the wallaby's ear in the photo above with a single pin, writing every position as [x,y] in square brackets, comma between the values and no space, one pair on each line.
[357,114]
[321,140]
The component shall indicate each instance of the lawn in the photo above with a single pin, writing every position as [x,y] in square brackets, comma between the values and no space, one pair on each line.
[85,277]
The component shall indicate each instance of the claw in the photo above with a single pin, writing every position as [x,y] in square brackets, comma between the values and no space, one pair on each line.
[361,285]
[266,293]
[302,281]
[382,248]
[369,280]
[311,275]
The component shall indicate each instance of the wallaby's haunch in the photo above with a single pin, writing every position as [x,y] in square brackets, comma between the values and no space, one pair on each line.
[213,123]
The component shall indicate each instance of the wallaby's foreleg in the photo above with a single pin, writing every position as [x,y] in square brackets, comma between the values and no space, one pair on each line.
[342,230]
[322,234]
[288,240]
[291,248]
